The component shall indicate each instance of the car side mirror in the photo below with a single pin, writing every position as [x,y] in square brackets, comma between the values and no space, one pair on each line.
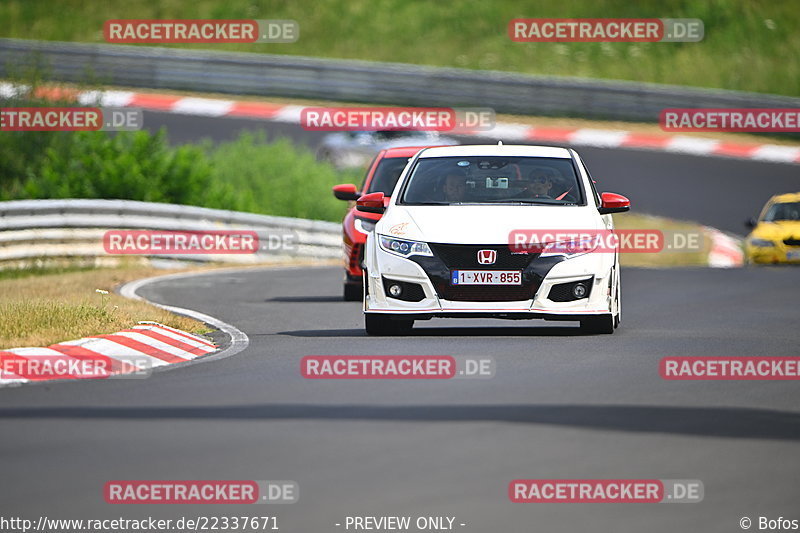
[372,203]
[750,222]
[613,203]
[346,191]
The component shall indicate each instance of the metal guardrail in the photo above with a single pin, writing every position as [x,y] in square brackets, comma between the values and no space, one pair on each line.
[31,229]
[365,82]
[46,229]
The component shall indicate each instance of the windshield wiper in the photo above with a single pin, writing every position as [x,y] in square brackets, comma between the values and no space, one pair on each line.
[525,202]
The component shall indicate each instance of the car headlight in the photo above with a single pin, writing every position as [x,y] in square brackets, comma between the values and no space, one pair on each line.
[761,243]
[364,225]
[404,248]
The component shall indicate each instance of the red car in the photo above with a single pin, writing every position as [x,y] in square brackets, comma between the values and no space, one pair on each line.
[381,176]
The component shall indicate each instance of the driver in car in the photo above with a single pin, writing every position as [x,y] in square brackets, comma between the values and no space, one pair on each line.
[455,187]
[541,181]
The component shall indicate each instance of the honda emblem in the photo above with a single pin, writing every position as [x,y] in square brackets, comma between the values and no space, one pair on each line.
[487,257]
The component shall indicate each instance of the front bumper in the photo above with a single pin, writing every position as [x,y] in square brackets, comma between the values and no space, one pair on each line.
[532,300]
[772,254]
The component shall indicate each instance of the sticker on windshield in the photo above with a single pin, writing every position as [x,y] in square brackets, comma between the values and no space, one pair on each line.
[496,183]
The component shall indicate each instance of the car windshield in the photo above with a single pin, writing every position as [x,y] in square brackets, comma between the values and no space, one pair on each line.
[386,175]
[493,180]
[783,211]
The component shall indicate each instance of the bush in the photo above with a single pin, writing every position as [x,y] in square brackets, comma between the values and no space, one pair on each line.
[277,178]
[134,166]
[248,174]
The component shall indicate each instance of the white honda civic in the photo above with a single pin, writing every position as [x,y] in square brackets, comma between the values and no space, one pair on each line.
[487,231]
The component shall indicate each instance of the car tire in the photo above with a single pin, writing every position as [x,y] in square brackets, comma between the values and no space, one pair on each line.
[385,326]
[598,325]
[353,292]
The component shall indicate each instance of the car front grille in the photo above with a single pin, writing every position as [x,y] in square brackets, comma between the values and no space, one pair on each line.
[486,293]
[465,256]
[449,257]
[356,256]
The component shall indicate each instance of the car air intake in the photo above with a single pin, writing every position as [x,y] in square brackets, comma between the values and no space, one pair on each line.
[403,290]
[569,292]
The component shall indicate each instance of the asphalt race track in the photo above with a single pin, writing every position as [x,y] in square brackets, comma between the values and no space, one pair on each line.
[561,406]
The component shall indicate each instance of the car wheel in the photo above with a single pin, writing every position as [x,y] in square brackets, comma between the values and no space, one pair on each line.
[383,325]
[353,292]
[602,324]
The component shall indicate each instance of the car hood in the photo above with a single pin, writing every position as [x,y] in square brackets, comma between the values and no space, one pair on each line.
[467,224]
[782,229]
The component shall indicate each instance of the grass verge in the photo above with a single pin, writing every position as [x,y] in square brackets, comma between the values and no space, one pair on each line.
[47,306]
[665,258]
[749,45]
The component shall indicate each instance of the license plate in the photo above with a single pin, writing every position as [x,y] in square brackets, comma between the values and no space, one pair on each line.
[794,255]
[486,277]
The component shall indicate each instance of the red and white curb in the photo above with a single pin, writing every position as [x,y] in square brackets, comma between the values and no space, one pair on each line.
[162,346]
[148,345]
[505,131]
[726,250]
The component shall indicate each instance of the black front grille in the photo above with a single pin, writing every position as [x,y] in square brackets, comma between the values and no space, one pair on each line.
[465,256]
[356,256]
[487,293]
[449,257]
[791,242]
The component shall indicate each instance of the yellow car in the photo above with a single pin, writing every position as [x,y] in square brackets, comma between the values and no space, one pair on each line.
[776,234]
